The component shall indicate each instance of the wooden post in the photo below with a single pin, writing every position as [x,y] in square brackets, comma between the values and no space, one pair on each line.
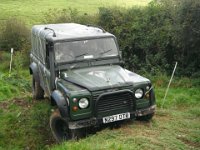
[11,55]
[169,85]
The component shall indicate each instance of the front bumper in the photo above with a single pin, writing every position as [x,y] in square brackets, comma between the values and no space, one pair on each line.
[95,121]
[83,123]
[143,112]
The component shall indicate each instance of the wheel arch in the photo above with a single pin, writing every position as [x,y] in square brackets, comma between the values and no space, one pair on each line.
[33,68]
[57,99]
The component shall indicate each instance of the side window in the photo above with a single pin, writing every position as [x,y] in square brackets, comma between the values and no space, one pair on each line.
[47,56]
[34,44]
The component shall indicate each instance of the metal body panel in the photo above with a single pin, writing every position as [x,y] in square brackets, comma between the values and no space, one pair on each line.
[42,74]
[103,77]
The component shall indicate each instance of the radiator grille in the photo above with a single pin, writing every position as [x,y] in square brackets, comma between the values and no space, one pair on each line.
[113,102]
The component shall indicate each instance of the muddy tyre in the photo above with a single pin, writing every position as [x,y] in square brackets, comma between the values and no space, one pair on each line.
[38,92]
[59,127]
[146,117]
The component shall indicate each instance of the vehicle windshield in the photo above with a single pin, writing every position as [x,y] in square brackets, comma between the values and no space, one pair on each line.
[85,49]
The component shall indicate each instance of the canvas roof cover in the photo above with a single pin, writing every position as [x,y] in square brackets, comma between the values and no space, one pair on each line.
[67,31]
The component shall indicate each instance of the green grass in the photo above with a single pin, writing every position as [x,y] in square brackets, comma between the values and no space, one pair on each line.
[170,129]
[33,10]
[13,86]
[25,124]
[18,83]
[178,96]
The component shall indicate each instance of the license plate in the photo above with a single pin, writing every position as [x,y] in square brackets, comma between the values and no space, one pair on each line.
[117,117]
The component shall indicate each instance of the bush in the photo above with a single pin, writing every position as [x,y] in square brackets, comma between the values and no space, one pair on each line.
[4,59]
[153,38]
[188,16]
[14,34]
[144,35]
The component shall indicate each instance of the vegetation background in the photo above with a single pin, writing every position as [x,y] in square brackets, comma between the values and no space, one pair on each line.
[152,35]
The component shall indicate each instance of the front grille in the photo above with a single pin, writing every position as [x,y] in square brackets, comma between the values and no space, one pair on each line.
[120,101]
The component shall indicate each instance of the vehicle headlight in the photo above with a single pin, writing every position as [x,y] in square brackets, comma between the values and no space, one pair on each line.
[139,93]
[83,103]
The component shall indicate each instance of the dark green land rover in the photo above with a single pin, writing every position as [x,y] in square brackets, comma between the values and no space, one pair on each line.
[79,68]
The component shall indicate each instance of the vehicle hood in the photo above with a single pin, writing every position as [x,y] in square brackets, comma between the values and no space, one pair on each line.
[100,77]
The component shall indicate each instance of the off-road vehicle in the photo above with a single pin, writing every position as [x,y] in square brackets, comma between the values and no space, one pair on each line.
[79,67]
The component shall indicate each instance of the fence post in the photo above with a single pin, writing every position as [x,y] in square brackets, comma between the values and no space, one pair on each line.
[169,85]
[11,58]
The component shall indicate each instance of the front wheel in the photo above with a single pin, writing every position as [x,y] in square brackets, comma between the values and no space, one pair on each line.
[146,117]
[59,127]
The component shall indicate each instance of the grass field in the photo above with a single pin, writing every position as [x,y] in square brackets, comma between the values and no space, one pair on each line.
[24,125]
[32,11]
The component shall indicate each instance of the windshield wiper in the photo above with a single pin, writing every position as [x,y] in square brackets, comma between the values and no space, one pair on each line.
[81,55]
[105,51]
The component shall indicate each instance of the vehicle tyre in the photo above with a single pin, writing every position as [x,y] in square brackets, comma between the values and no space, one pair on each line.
[146,117]
[59,127]
[38,92]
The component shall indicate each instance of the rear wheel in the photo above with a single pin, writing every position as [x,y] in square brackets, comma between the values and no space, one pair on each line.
[59,127]
[146,117]
[38,92]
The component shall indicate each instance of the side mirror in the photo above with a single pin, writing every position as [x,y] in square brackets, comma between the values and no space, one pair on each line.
[122,63]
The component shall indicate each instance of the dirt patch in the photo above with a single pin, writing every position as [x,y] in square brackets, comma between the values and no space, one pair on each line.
[19,102]
[188,142]
[163,116]
[4,105]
